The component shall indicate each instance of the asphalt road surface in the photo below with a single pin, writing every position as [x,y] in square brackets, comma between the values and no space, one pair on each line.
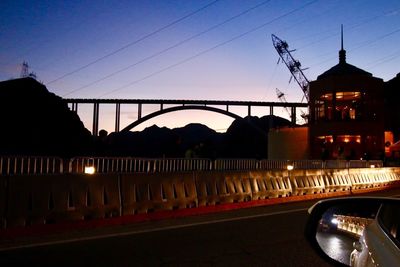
[263,236]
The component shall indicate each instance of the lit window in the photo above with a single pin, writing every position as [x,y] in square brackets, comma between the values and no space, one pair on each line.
[349,138]
[352,113]
[347,95]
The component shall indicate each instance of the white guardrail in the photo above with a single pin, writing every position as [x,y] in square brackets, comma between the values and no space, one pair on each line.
[26,165]
[30,165]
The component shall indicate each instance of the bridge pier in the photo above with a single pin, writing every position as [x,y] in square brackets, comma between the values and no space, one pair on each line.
[293,115]
[75,107]
[117,116]
[96,107]
[139,111]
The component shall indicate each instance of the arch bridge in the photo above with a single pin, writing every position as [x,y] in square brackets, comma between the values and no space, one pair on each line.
[219,106]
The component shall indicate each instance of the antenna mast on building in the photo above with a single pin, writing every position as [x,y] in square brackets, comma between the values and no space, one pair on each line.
[293,65]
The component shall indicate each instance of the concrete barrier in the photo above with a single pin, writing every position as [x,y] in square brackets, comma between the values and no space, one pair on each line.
[343,180]
[44,199]
[144,193]
[392,176]
[359,181]
[259,187]
[211,188]
[302,185]
[180,190]
[268,184]
[378,179]
[387,177]
[364,179]
[56,198]
[238,186]
[3,201]
[336,182]
[223,187]
[27,200]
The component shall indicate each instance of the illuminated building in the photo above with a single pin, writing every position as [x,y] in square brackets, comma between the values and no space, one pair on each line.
[346,113]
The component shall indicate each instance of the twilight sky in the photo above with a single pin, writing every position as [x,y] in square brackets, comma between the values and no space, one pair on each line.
[187,49]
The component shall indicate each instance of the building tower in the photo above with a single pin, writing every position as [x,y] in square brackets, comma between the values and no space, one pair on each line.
[346,113]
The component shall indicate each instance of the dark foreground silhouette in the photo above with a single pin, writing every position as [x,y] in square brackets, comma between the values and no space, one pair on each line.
[37,122]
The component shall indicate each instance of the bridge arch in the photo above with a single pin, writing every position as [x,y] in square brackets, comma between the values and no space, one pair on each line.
[178,108]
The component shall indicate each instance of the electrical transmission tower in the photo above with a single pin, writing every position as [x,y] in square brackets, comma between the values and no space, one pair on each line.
[293,65]
[25,71]
[282,98]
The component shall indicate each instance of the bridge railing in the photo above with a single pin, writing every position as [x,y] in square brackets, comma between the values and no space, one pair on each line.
[308,164]
[273,164]
[109,165]
[181,164]
[17,165]
[235,164]
[128,165]
[344,164]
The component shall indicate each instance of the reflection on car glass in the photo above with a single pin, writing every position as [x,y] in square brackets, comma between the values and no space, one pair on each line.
[389,219]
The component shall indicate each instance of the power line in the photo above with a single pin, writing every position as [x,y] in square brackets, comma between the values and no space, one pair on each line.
[384,60]
[134,42]
[363,44]
[210,49]
[351,27]
[376,39]
[170,47]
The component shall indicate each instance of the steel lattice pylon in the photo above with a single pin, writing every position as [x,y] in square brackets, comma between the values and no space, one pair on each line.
[293,65]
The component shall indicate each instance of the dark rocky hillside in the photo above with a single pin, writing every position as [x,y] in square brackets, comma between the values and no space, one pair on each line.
[37,122]
[248,137]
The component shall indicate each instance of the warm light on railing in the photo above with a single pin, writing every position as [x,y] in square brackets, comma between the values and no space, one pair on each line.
[372,166]
[289,167]
[89,170]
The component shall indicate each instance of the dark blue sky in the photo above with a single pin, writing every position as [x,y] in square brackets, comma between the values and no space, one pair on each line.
[184,49]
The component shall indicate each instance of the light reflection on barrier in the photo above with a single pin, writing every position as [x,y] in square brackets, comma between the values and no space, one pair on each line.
[20,165]
[352,224]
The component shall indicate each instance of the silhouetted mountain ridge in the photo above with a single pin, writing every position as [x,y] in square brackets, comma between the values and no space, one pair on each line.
[245,138]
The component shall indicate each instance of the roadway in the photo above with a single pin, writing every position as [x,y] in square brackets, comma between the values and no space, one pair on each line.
[262,236]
